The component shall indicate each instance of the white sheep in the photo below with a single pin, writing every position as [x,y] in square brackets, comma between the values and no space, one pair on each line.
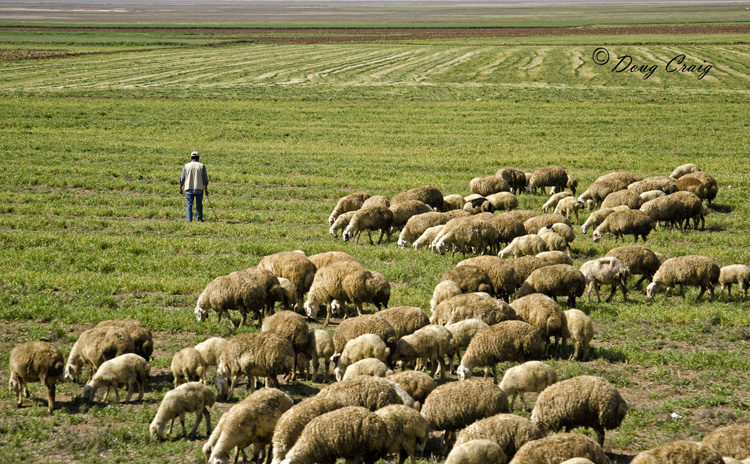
[554,241]
[530,244]
[693,270]
[597,217]
[443,291]
[475,452]
[734,274]
[428,237]
[319,346]
[291,424]
[554,200]
[36,361]
[351,202]
[569,206]
[652,195]
[128,368]
[606,271]
[210,349]
[368,366]
[234,291]
[346,281]
[95,346]
[531,376]
[579,328]
[407,428]
[369,219]
[461,334]
[188,365]
[341,223]
[431,342]
[680,171]
[188,397]
[364,346]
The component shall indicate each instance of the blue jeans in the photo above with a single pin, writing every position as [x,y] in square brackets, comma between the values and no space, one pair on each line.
[198,197]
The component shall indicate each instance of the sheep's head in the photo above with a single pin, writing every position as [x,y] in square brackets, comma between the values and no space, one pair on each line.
[338,372]
[464,372]
[89,392]
[597,235]
[311,308]
[156,430]
[222,385]
[71,371]
[652,289]
[200,314]
[331,219]
[402,243]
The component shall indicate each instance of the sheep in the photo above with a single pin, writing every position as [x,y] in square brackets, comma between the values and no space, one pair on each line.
[609,183]
[619,176]
[425,193]
[428,237]
[472,305]
[368,392]
[369,219]
[444,290]
[680,171]
[188,365]
[477,451]
[324,259]
[360,325]
[289,297]
[416,383]
[210,349]
[418,224]
[488,185]
[474,234]
[319,346]
[658,183]
[404,319]
[351,202]
[249,422]
[405,210]
[407,429]
[554,241]
[569,206]
[711,187]
[509,431]
[639,259]
[293,421]
[598,216]
[341,224]
[542,313]
[525,265]
[268,281]
[561,447]
[606,271]
[36,361]
[549,176]
[382,291]
[95,346]
[507,341]
[508,227]
[522,215]
[352,433]
[554,199]
[583,401]
[367,366]
[693,208]
[461,334]
[535,224]
[515,178]
[731,441]
[143,341]
[253,354]
[531,376]
[651,195]
[734,274]
[452,202]
[621,223]
[554,257]
[579,328]
[530,244]
[188,397]
[469,278]
[364,346]
[346,281]
[623,197]
[679,452]
[126,368]
[477,205]
[376,200]
[555,280]
[233,291]
[694,270]
[503,201]
[290,326]
[292,265]
[431,342]
[505,280]
[578,461]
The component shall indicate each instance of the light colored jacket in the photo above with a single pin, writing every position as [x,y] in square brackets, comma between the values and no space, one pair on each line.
[194,176]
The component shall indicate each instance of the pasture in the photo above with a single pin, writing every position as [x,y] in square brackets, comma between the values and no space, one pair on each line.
[97,124]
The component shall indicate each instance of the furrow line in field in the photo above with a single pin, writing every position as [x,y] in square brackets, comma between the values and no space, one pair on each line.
[694,60]
[501,59]
[414,64]
[442,68]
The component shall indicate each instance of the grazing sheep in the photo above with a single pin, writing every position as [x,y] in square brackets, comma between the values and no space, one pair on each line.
[407,428]
[233,291]
[508,227]
[522,215]
[477,452]
[693,209]
[416,383]
[554,257]
[210,350]
[360,325]
[290,326]
[561,447]
[623,197]
[431,342]
[444,290]
[509,431]
[452,202]
[376,200]
[404,319]
[268,281]
[36,361]
[319,346]
[549,176]
[651,195]
[324,259]
[639,259]
[341,223]
[734,274]
[503,201]
[565,230]
[351,202]
[346,281]
[606,271]
[515,178]
[569,206]
[418,224]
[543,313]
[364,346]
[95,346]
[555,280]
[469,278]
[249,422]
[474,235]
[143,341]
[598,216]
[525,245]
[525,265]
[657,183]
[583,401]
[531,376]
[711,188]
[382,291]
[578,461]
[505,280]
[126,368]
[488,185]
[579,328]
[621,223]
[554,241]
[679,452]
[425,193]
[604,185]
[368,392]
[188,397]
[352,433]
[731,441]
[695,270]
[367,366]
[428,237]
[405,210]
[461,334]
[293,421]
[477,205]
[472,306]
[289,296]
[292,265]
[535,224]
[680,171]
[369,219]
[188,365]
[554,199]
[514,341]
[668,210]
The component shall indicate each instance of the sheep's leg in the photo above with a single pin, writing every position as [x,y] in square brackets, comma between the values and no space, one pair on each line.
[207,415]
[130,390]
[369,235]
[598,296]
[700,294]
[198,418]
[171,424]
[743,286]
[612,293]
[117,393]
[524,406]
[711,291]
[513,401]
[359,308]
[380,239]
[588,291]
[328,314]
[600,435]
[50,394]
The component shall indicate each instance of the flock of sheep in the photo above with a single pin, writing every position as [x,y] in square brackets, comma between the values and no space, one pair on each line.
[382,401]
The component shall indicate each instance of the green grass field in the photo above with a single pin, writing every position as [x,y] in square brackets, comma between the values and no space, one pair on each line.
[92,226]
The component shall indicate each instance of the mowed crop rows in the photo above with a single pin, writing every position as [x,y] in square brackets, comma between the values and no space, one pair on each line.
[240,67]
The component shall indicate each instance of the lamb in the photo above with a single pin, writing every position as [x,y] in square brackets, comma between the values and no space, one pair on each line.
[210,349]
[621,223]
[731,441]
[680,171]
[508,227]
[557,448]
[36,361]
[488,185]
[143,341]
[549,176]
[418,224]
[291,424]
[250,422]
[407,428]
[364,346]
[569,206]
[341,224]
[583,401]
[525,265]
[233,291]
[598,216]
[639,259]
[554,199]
[542,313]
[368,392]
[515,178]
[126,368]
[404,319]
[425,193]
[680,452]
[405,210]
[290,326]
[352,433]
[360,325]
[505,280]
[503,201]
[431,342]
[734,274]
[319,346]
[345,281]
[188,365]
[369,219]
[509,431]
[579,328]
[469,306]
[469,278]
[554,241]
[623,197]
[444,290]
[268,281]
[606,271]
[694,270]
[95,346]
[461,334]
[651,195]
[452,202]
[477,451]
[428,237]
[554,257]
[188,397]
[531,376]
[555,280]
[535,224]
[292,265]
[530,244]
[417,384]
[507,341]
[351,202]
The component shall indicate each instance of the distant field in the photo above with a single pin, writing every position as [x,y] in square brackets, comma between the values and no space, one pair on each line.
[98,122]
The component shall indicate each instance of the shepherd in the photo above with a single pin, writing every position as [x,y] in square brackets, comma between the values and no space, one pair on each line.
[195,182]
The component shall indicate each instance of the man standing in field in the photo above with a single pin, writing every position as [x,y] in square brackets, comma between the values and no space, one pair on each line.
[195,181]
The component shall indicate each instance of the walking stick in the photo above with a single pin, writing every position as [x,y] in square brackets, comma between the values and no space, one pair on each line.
[211,208]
